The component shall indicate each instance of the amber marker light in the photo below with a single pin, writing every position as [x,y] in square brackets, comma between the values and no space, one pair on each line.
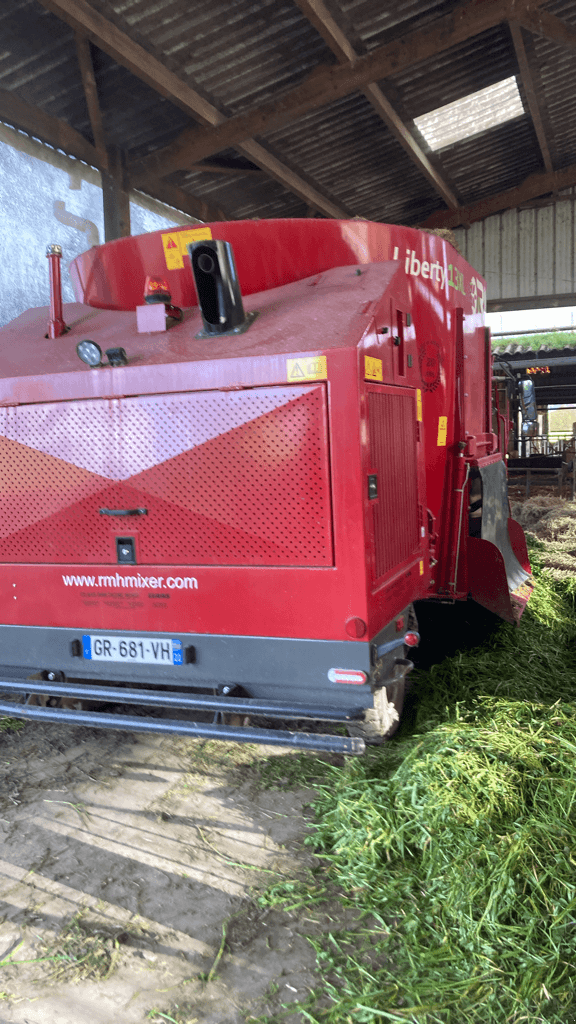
[156,289]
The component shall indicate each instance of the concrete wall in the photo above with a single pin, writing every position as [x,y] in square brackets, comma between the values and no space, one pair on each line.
[47,197]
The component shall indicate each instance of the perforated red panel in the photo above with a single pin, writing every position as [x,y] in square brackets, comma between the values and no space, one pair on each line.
[392,425]
[226,478]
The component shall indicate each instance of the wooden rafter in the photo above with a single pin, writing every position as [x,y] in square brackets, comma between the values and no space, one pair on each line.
[290,179]
[542,23]
[91,96]
[82,17]
[17,112]
[230,169]
[530,90]
[318,15]
[181,200]
[327,84]
[57,133]
[535,185]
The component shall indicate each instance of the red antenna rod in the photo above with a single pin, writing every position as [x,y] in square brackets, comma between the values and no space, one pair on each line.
[56,325]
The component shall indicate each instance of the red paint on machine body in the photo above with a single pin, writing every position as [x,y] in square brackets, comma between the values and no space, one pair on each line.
[305,479]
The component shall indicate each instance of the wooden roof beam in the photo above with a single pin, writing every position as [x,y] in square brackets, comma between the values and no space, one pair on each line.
[234,169]
[55,132]
[91,96]
[532,187]
[541,23]
[531,93]
[318,15]
[82,17]
[181,200]
[327,84]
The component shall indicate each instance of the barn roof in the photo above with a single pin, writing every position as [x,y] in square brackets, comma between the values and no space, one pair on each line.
[290,108]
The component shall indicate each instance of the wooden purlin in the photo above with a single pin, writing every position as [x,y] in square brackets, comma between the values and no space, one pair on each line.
[82,17]
[542,23]
[327,84]
[234,170]
[531,93]
[52,130]
[533,186]
[43,126]
[319,16]
[177,197]
[91,96]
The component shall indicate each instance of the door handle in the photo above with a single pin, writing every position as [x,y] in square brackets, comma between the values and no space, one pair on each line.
[123,511]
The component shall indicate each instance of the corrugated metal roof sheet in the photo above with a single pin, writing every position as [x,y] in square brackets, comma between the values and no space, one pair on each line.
[373,23]
[236,54]
[240,55]
[247,195]
[346,150]
[556,70]
[481,61]
[494,161]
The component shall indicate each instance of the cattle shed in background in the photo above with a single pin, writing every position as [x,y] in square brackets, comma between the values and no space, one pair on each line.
[552,369]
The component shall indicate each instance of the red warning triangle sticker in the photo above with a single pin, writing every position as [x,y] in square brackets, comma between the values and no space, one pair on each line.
[171,244]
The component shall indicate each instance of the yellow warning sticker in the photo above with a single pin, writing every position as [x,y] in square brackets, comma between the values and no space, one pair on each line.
[175,243]
[419,405]
[306,369]
[372,368]
[442,430]
[421,568]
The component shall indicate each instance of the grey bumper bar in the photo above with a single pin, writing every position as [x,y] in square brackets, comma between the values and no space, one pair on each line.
[133,723]
[182,701]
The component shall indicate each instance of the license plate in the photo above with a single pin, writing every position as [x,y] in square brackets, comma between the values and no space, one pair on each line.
[137,649]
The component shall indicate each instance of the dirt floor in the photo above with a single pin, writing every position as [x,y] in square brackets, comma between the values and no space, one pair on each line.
[129,870]
[130,867]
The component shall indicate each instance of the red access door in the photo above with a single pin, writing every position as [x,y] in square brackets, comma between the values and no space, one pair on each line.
[397,510]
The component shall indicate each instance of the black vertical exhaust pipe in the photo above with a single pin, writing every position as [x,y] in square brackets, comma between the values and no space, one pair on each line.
[218,288]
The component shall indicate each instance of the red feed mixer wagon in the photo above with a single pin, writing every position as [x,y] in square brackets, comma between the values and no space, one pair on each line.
[234,509]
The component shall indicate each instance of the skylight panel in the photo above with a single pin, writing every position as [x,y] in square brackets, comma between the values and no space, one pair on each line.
[471,115]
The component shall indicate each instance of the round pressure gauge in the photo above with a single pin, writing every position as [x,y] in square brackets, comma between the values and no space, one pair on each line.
[89,352]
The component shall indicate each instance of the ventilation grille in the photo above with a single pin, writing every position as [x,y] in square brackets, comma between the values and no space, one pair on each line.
[226,478]
[392,424]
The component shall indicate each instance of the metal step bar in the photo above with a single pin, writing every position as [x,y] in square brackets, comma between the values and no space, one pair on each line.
[196,702]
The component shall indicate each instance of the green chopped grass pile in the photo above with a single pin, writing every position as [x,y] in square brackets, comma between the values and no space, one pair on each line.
[10,724]
[458,840]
